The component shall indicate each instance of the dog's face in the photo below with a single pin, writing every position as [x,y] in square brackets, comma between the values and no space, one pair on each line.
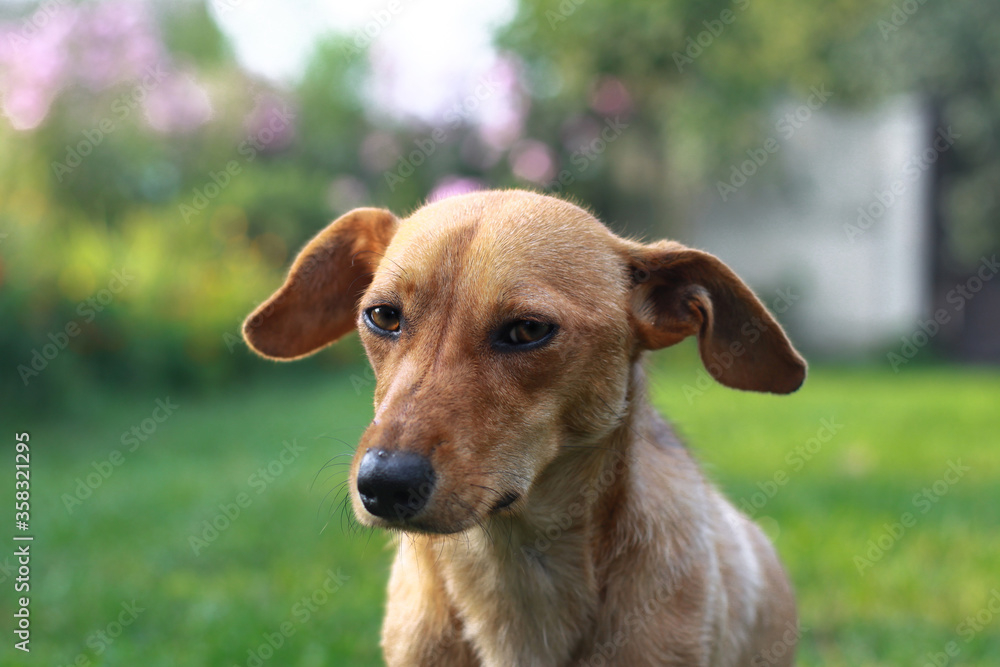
[502,328]
[498,332]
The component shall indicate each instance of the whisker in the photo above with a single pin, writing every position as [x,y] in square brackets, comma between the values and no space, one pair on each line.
[329,465]
[330,437]
[336,491]
[480,486]
[371,532]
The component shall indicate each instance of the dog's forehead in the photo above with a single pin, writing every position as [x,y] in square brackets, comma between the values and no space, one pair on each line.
[498,239]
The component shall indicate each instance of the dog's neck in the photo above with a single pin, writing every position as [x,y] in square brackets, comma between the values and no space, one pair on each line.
[541,572]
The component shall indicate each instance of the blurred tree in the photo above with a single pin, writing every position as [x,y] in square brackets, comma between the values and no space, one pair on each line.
[946,52]
[701,76]
[137,148]
[136,144]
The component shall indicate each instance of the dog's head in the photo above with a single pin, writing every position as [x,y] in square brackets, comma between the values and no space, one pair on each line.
[502,328]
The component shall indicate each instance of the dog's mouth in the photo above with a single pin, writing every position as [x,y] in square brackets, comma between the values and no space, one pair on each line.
[505,501]
[405,518]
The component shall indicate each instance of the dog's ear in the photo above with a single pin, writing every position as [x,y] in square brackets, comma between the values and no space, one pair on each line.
[679,292]
[317,303]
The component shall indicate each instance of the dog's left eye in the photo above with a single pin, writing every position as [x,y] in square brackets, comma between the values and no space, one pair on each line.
[383,318]
[526,332]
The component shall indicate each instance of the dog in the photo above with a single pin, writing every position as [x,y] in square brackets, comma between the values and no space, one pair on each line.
[545,515]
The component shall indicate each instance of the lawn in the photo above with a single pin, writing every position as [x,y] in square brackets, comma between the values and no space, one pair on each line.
[881,491]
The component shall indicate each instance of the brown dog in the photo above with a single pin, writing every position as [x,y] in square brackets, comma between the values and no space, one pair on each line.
[549,516]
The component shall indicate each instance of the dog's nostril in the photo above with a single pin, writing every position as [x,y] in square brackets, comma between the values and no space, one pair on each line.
[395,485]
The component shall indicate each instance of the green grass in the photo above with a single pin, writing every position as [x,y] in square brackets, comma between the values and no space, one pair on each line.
[131,539]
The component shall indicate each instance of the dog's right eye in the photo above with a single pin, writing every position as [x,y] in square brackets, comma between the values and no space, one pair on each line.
[524,335]
[384,319]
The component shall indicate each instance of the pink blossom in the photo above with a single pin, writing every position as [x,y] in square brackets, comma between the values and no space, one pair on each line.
[34,62]
[177,104]
[502,118]
[609,97]
[532,160]
[96,45]
[449,186]
[271,123]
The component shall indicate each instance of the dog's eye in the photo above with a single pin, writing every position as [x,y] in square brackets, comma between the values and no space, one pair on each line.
[526,332]
[384,318]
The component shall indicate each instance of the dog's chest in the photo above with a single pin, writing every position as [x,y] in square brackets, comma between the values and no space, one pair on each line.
[523,601]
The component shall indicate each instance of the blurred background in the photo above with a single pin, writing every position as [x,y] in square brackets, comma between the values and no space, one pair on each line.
[162,162]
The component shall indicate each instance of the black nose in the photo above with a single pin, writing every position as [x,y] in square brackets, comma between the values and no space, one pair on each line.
[395,485]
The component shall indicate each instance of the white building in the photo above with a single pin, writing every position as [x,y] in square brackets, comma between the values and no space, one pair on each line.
[835,207]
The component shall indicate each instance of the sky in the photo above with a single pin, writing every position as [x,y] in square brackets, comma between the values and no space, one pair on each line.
[429,51]
[428,58]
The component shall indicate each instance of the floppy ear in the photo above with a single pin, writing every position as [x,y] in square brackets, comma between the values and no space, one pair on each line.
[680,292]
[317,303]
